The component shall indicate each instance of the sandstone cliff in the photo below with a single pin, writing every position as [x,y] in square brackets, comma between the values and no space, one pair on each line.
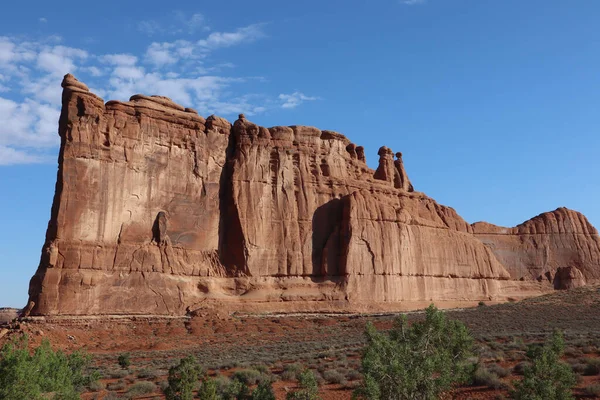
[160,211]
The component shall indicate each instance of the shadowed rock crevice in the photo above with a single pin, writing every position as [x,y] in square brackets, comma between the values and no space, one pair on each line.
[232,244]
[326,225]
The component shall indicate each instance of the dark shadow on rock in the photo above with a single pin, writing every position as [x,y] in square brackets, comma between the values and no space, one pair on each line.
[326,224]
[232,244]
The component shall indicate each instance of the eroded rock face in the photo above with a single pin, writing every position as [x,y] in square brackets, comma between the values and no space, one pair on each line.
[538,248]
[160,211]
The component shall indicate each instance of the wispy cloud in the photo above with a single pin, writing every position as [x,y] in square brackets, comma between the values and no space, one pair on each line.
[162,54]
[31,72]
[295,99]
[412,2]
[246,34]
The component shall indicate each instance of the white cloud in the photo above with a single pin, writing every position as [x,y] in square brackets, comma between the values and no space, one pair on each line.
[119,59]
[29,124]
[129,72]
[10,156]
[60,60]
[43,20]
[31,73]
[162,54]
[295,99]
[412,2]
[94,71]
[216,40]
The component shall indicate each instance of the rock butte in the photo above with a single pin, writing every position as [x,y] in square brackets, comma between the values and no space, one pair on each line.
[159,211]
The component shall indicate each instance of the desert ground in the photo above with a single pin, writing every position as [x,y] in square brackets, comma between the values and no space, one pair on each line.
[276,347]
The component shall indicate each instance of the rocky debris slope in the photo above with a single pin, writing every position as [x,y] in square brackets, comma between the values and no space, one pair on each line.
[160,211]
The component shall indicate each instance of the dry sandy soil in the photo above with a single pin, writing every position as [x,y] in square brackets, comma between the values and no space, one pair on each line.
[329,344]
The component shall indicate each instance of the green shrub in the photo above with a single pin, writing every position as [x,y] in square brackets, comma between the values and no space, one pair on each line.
[547,378]
[263,391]
[291,372]
[124,360]
[421,360]
[309,388]
[222,383]
[30,376]
[183,379]
[236,390]
[208,390]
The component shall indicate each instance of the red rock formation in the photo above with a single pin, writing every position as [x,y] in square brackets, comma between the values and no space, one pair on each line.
[537,248]
[159,211]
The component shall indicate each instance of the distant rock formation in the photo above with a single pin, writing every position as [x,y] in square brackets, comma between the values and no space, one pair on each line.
[160,211]
[7,315]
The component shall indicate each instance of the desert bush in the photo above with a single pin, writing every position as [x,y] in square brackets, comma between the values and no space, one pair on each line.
[334,376]
[579,367]
[124,360]
[140,388]
[309,388]
[592,366]
[353,375]
[236,390]
[484,377]
[264,391]
[148,373]
[519,369]
[117,374]
[264,369]
[30,376]
[291,372]
[547,378]
[421,360]
[183,379]
[498,370]
[593,390]
[96,386]
[572,352]
[247,376]
[208,390]
[119,385]
[222,382]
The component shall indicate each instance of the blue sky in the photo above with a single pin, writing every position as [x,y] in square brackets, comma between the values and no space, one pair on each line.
[494,103]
